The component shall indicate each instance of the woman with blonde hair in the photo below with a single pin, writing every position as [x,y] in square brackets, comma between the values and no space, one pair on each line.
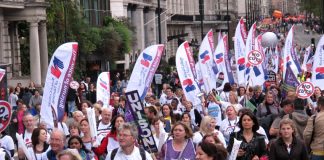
[71,154]
[287,146]
[207,126]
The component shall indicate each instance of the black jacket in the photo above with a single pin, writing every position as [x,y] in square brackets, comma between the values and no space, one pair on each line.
[278,150]
[256,146]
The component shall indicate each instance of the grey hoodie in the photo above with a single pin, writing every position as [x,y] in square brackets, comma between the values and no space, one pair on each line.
[300,118]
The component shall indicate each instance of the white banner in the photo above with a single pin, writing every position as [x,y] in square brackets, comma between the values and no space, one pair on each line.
[2,73]
[220,53]
[93,125]
[239,47]
[144,69]
[207,64]
[103,88]
[249,46]
[59,75]
[289,54]
[318,65]
[257,73]
[186,76]
[307,56]
[235,149]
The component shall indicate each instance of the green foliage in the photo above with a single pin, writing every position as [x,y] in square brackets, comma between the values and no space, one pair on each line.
[110,42]
[312,6]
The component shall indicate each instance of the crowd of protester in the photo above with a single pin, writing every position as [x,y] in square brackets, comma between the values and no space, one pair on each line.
[279,128]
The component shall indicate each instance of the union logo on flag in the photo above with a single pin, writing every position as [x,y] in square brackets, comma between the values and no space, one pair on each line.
[188,83]
[219,58]
[319,72]
[204,57]
[146,60]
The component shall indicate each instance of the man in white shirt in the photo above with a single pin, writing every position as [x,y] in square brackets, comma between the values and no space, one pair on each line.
[104,124]
[168,97]
[29,123]
[127,136]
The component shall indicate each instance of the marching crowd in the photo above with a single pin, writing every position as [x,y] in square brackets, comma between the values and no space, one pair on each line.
[279,127]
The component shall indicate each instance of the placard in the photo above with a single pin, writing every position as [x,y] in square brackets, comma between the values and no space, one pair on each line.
[255,57]
[5,115]
[305,90]
[145,133]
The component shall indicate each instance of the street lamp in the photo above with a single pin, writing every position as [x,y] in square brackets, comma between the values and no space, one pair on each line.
[159,21]
[201,11]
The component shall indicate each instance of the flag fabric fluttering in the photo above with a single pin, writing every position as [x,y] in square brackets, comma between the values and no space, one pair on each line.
[144,69]
[318,65]
[220,55]
[239,48]
[290,56]
[58,78]
[207,64]
[186,76]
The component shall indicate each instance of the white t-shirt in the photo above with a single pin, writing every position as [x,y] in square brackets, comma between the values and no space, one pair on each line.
[27,139]
[135,155]
[112,144]
[62,126]
[227,127]
[7,143]
[198,136]
[103,130]
[39,156]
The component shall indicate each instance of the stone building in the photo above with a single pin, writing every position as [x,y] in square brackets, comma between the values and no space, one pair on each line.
[183,21]
[34,13]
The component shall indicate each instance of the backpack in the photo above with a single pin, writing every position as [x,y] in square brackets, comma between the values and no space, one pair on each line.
[142,152]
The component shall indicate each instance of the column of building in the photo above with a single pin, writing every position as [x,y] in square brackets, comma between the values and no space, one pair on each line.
[138,22]
[35,67]
[43,50]
[150,27]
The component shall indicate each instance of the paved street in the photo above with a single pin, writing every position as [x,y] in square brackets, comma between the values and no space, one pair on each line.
[304,39]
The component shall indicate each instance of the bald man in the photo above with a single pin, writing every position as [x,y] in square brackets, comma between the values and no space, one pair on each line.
[57,141]
[104,126]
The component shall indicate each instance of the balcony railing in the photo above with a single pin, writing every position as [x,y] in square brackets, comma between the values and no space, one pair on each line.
[191,18]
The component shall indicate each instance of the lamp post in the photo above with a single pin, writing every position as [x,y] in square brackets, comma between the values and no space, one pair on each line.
[64,10]
[159,21]
[201,11]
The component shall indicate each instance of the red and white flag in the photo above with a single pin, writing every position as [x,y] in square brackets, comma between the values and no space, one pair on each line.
[103,88]
[2,73]
[58,78]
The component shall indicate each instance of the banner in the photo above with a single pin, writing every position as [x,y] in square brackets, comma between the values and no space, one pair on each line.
[239,48]
[290,56]
[144,69]
[145,133]
[5,115]
[189,85]
[308,59]
[318,65]
[257,73]
[249,46]
[290,81]
[93,125]
[59,75]
[207,65]
[235,149]
[199,78]
[220,37]
[103,88]
[224,74]
[2,73]
[276,57]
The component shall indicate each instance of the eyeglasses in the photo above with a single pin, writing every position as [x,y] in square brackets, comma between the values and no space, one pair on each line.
[124,135]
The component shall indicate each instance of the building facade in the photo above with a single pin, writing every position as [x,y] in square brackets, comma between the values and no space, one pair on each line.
[34,13]
[183,20]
